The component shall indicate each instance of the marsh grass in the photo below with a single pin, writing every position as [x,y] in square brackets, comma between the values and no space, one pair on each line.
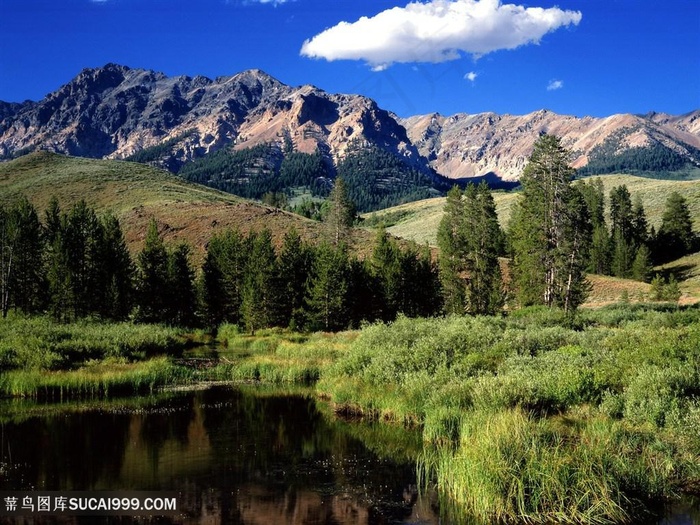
[510,466]
[93,380]
[538,417]
[276,356]
[38,343]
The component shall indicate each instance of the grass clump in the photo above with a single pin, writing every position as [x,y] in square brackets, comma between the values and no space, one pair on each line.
[511,466]
[95,379]
[276,356]
[538,417]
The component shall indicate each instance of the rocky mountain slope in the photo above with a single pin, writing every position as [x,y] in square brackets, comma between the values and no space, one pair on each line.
[115,112]
[470,145]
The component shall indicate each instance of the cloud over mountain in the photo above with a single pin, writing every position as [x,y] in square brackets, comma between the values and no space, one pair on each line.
[437,31]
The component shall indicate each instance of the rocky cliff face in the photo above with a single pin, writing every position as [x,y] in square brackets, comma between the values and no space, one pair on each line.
[470,145]
[115,111]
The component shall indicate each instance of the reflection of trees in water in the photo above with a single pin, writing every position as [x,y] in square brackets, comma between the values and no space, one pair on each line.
[235,458]
[59,452]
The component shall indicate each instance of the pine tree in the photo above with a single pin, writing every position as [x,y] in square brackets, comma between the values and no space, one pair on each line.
[293,268]
[549,231]
[642,267]
[21,249]
[675,237]
[259,307]
[622,231]
[119,296]
[640,225]
[153,278]
[223,272]
[387,273]
[327,298]
[599,257]
[81,244]
[452,246]
[181,295]
[341,213]
[484,241]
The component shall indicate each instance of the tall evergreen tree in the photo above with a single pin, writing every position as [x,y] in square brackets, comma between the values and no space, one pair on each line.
[549,231]
[293,266]
[21,248]
[181,294]
[675,237]
[341,213]
[593,193]
[484,242]
[119,296]
[327,298]
[622,231]
[453,246]
[388,275]
[223,272]
[153,278]
[82,244]
[640,225]
[259,307]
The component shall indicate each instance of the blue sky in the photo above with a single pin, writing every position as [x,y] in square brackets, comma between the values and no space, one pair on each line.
[577,57]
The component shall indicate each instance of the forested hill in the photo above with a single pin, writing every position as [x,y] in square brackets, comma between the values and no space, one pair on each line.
[136,193]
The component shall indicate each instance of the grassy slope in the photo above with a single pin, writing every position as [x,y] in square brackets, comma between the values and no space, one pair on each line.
[419,220]
[135,193]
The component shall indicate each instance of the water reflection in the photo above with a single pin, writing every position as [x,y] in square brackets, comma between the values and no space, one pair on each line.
[234,457]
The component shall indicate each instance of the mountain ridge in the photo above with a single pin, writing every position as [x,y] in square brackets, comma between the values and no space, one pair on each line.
[115,111]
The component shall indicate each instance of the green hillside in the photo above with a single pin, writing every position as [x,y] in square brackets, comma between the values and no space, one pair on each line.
[419,220]
[135,193]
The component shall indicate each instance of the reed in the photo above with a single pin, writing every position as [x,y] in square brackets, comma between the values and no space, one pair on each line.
[510,466]
[95,379]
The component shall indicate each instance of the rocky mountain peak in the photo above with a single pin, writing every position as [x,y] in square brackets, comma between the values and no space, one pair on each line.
[115,111]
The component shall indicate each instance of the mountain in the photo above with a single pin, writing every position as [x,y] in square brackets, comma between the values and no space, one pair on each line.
[472,145]
[115,112]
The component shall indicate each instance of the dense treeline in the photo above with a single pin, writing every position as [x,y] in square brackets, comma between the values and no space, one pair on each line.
[76,265]
[612,157]
[629,247]
[375,178]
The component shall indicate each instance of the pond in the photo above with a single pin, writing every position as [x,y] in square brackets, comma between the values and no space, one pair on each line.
[240,455]
[234,456]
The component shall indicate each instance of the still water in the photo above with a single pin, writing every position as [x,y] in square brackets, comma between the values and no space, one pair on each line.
[234,456]
[241,456]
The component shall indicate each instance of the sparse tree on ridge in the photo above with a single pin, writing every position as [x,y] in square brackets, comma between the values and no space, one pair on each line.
[341,213]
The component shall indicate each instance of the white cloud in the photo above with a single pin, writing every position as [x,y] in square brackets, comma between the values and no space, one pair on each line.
[554,85]
[437,31]
[471,76]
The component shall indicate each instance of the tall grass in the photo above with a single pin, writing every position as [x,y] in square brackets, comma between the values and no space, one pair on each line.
[276,356]
[99,379]
[509,465]
[38,343]
[538,417]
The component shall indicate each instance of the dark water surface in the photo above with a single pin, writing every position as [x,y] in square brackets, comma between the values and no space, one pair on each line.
[241,456]
[235,456]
